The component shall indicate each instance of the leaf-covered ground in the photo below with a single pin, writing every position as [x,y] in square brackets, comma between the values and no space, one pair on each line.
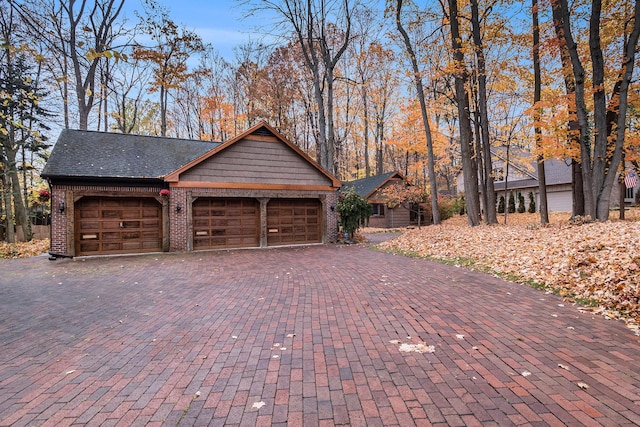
[23,249]
[594,264]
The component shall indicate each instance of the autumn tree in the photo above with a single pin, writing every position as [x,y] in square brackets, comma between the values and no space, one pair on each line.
[82,34]
[537,97]
[215,121]
[461,77]
[417,79]
[486,174]
[323,32]
[21,122]
[168,57]
[411,197]
[601,156]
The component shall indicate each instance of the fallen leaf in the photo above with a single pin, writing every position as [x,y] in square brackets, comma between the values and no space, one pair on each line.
[417,348]
[560,365]
[583,386]
[578,260]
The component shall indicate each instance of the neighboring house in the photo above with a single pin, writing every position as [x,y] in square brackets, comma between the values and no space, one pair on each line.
[523,179]
[120,193]
[383,216]
[631,195]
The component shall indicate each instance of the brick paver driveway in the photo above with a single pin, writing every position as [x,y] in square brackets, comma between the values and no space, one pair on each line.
[300,336]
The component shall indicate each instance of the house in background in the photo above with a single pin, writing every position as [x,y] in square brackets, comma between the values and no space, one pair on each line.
[522,179]
[120,193]
[371,189]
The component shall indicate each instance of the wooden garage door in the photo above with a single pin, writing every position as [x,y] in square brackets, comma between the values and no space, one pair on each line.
[294,221]
[109,225]
[226,223]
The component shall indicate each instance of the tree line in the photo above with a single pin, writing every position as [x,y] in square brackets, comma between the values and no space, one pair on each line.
[430,89]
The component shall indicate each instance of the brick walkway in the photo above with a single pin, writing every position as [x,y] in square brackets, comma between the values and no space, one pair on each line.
[300,336]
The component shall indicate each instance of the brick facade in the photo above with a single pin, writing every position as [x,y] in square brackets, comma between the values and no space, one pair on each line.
[176,230]
[62,223]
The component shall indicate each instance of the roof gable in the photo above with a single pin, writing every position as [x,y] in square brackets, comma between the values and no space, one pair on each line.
[367,187]
[259,155]
[90,154]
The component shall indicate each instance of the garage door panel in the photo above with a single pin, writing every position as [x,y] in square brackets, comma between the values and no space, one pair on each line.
[89,247]
[225,223]
[112,225]
[294,221]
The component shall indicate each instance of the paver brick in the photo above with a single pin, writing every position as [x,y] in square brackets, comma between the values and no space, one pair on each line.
[190,338]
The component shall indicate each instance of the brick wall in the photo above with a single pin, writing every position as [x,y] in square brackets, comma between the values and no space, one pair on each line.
[178,230]
[178,220]
[58,221]
[332,217]
[62,223]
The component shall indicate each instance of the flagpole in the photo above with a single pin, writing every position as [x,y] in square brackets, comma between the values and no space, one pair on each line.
[623,174]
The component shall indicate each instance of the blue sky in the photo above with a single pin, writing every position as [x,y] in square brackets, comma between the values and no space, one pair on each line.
[218,22]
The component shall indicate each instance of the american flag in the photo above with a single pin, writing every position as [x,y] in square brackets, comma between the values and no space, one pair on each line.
[631,180]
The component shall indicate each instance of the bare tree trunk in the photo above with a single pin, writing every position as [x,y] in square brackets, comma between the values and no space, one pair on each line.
[618,105]
[417,79]
[464,120]
[21,216]
[365,106]
[489,194]
[478,158]
[561,14]
[537,89]
[622,188]
[6,197]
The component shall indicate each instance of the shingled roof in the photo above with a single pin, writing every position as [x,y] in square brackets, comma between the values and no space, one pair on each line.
[82,154]
[556,172]
[366,186]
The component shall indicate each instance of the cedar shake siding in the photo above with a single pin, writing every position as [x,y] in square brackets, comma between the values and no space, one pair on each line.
[256,190]
[259,162]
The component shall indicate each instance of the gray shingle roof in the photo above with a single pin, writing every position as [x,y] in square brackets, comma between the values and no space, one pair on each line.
[114,155]
[556,172]
[366,186]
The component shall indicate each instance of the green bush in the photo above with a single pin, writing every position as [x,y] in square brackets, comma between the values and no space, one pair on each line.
[512,204]
[501,205]
[354,211]
[532,203]
[521,208]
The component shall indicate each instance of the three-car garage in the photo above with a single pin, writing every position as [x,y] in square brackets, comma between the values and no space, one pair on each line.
[125,194]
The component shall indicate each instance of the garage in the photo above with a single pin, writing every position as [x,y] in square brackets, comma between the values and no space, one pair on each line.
[294,221]
[111,225]
[117,193]
[226,223]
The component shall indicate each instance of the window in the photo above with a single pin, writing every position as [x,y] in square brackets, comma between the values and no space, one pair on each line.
[628,193]
[378,209]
